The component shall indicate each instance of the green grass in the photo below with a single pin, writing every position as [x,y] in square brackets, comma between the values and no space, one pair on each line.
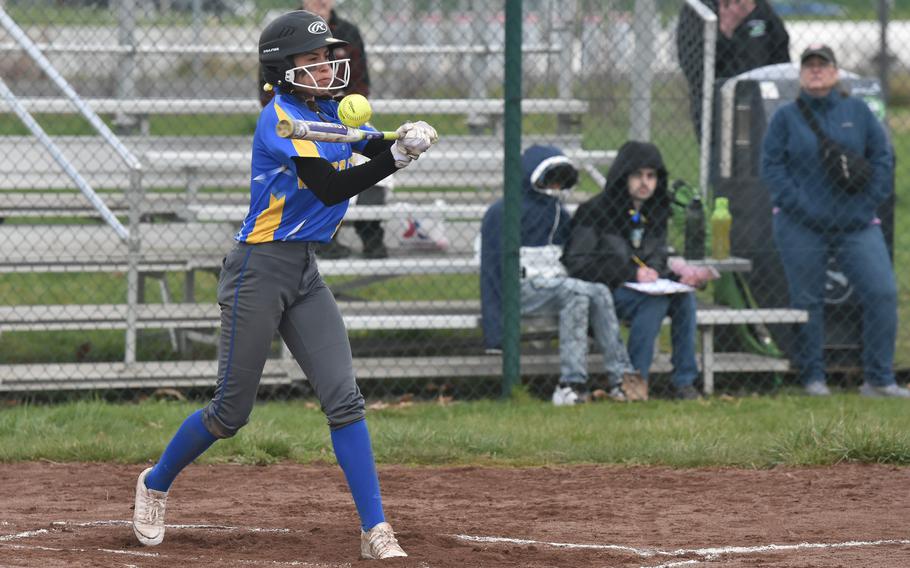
[749,432]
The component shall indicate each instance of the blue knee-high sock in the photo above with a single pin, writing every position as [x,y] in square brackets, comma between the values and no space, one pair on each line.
[190,441]
[355,456]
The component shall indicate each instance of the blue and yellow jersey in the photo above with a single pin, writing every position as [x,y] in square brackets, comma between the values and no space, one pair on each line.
[281,207]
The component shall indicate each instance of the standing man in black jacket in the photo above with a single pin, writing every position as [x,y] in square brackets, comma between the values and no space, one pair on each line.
[750,35]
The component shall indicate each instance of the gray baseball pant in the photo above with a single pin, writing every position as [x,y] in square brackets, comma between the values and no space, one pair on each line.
[271,287]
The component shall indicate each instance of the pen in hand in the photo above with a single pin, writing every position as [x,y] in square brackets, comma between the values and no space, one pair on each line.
[645,273]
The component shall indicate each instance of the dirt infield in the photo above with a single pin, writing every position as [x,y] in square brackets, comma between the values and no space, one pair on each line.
[291,515]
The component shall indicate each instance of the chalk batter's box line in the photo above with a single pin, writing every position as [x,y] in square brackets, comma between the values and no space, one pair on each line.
[707,553]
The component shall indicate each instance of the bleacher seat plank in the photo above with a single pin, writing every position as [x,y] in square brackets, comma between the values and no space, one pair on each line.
[78,248]
[251,106]
[185,374]
[175,162]
[357,315]
[426,315]
[388,212]
[435,314]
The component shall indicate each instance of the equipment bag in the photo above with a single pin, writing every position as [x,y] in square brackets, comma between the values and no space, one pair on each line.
[846,169]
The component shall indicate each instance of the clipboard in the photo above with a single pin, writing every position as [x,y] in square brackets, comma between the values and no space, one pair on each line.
[660,287]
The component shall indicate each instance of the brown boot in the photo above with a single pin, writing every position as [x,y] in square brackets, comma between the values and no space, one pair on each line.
[635,387]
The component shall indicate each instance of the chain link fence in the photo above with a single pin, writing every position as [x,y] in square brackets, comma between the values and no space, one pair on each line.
[109,271]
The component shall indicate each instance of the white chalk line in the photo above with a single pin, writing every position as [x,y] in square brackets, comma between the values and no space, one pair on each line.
[705,552]
[179,558]
[103,523]
[708,553]
[203,527]
[493,539]
[785,547]
[675,564]
[25,534]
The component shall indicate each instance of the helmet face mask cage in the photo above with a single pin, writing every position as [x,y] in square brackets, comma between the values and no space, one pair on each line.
[341,75]
[556,172]
[296,33]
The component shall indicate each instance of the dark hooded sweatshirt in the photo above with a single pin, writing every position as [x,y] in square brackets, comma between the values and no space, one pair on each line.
[543,221]
[600,246]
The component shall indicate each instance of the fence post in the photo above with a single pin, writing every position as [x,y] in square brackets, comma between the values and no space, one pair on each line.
[198,24]
[126,86]
[884,61]
[134,251]
[511,226]
[563,14]
[644,20]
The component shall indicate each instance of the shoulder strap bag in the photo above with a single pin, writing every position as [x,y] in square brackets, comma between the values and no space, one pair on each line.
[847,170]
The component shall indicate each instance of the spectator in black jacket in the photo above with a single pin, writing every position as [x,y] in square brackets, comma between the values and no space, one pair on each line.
[749,35]
[620,236]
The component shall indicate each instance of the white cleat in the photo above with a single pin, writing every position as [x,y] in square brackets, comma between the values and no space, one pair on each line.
[379,543]
[148,514]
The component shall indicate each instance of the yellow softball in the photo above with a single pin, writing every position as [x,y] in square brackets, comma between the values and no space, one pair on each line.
[354,110]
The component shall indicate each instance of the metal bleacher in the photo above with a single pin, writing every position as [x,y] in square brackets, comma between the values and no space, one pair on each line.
[175,213]
[183,207]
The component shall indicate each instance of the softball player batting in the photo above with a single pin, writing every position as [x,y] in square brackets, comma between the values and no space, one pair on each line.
[269,281]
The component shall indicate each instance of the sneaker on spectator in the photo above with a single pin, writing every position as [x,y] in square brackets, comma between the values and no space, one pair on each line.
[567,395]
[379,543]
[616,394]
[888,391]
[817,388]
[687,392]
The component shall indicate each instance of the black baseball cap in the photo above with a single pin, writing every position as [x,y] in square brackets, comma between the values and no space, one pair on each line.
[818,50]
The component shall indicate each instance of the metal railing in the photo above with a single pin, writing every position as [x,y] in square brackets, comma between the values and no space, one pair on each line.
[707,102]
[196,49]
[131,235]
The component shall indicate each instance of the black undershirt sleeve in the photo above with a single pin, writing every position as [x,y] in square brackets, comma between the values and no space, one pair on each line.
[375,147]
[332,186]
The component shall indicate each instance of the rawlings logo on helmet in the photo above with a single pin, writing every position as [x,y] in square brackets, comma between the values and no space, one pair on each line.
[318,28]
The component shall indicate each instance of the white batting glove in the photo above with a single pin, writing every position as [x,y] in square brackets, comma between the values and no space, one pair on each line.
[421,129]
[415,138]
[401,158]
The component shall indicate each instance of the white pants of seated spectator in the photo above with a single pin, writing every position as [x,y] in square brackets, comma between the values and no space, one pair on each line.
[579,304]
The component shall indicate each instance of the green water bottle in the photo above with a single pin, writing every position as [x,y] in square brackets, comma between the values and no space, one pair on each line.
[720,228]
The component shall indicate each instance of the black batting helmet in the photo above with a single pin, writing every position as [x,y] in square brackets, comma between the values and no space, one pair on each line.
[289,35]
